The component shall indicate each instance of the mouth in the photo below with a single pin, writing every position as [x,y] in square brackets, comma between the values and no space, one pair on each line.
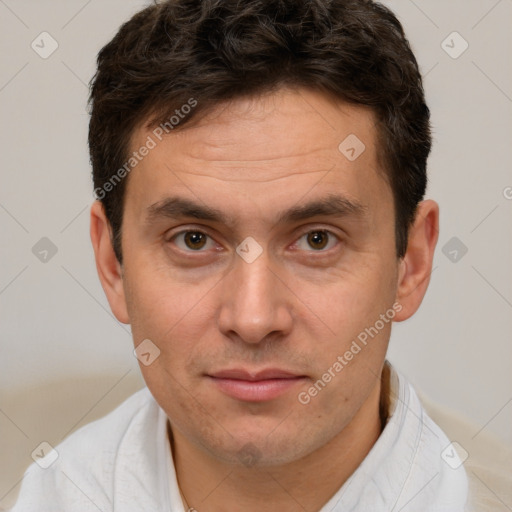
[255,386]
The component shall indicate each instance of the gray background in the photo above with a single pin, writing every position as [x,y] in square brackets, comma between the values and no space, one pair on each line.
[61,348]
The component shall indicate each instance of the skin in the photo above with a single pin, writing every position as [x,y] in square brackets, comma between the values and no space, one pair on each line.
[297,306]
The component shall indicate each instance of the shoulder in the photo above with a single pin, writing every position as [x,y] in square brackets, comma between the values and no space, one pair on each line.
[81,469]
[485,457]
[431,460]
[95,445]
[104,435]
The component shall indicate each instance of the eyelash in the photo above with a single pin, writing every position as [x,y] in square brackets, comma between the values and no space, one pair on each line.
[318,230]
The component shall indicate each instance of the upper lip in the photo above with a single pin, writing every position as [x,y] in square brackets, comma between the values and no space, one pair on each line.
[241,374]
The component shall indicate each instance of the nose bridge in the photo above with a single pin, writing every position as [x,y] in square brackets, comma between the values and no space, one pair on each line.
[254,282]
[253,303]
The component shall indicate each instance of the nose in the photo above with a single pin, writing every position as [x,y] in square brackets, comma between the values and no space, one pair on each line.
[255,304]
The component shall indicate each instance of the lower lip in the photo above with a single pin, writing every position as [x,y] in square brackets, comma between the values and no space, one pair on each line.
[256,391]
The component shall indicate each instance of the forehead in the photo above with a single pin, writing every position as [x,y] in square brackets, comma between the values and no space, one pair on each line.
[269,147]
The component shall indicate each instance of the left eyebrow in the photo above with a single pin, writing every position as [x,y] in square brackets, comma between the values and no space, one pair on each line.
[332,205]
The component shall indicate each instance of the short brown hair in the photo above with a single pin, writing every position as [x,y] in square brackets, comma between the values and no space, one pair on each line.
[217,50]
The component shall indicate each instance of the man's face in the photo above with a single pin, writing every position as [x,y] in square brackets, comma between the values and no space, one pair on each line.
[321,279]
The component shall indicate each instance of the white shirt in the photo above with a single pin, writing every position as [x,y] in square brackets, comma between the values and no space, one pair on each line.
[123,463]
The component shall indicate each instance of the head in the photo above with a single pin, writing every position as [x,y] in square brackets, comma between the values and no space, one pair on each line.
[260,169]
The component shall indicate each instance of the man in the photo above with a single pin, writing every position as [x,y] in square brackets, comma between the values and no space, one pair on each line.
[260,169]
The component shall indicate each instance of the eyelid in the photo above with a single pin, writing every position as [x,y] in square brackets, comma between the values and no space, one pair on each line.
[170,234]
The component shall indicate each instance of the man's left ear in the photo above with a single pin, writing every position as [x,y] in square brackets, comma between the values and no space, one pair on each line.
[416,265]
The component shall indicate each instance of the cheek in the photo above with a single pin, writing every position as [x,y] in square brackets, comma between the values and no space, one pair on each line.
[174,319]
[350,300]
[359,312]
[177,318]
[358,334]
[158,304]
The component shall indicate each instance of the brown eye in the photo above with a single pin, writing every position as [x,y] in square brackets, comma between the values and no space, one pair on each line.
[193,241]
[319,240]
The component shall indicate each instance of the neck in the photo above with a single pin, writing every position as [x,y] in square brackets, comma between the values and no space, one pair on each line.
[210,485]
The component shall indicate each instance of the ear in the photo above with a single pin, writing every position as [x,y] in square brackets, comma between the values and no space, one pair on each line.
[416,265]
[108,267]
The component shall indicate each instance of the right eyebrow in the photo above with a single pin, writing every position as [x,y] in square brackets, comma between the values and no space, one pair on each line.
[179,207]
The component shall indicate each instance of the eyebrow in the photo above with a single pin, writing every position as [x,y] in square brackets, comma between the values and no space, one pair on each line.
[332,205]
